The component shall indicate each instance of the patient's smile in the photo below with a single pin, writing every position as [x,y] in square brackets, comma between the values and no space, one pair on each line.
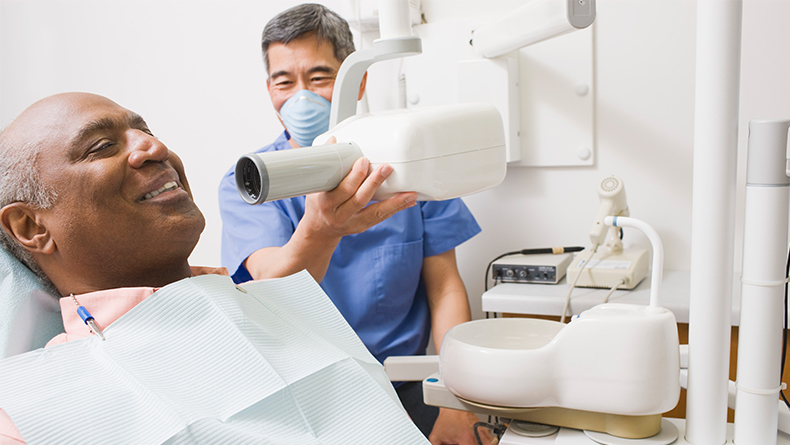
[172,185]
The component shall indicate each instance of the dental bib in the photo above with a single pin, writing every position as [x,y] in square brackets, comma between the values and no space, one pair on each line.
[203,361]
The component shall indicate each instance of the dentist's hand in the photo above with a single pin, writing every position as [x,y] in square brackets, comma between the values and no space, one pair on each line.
[457,427]
[345,210]
[329,216]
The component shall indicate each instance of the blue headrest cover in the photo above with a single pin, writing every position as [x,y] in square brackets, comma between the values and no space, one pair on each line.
[29,313]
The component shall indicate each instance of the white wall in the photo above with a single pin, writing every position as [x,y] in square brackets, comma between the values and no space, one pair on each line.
[193,69]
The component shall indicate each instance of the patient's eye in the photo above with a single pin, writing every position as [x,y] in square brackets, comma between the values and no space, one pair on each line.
[101,149]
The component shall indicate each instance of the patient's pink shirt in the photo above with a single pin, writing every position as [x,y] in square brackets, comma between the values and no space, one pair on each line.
[106,306]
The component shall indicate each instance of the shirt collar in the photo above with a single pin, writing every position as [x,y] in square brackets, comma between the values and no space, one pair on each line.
[108,305]
[105,306]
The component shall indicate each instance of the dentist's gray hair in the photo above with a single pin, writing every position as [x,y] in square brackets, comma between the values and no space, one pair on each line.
[19,182]
[303,19]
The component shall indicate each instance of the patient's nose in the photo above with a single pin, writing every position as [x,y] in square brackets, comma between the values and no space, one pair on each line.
[145,148]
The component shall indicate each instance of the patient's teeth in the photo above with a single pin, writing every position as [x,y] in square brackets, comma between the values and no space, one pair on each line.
[172,185]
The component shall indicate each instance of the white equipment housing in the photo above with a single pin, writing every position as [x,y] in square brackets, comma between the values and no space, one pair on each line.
[439,152]
[607,269]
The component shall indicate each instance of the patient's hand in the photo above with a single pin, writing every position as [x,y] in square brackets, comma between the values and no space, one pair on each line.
[457,427]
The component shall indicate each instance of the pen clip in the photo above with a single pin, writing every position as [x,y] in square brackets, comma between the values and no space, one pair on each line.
[87,318]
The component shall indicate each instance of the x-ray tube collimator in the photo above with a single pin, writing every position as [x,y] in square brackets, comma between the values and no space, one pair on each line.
[288,173]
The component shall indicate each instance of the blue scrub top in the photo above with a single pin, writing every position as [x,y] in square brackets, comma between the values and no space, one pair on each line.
[373,277]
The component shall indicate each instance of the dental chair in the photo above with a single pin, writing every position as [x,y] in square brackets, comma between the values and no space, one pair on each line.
[29,313]
[30,317]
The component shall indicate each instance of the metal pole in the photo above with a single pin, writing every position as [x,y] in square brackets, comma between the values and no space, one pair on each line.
[713,217]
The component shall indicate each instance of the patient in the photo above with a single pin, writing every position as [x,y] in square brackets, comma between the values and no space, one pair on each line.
[91,201]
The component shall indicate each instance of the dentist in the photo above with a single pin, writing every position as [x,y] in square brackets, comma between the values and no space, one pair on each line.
[389,266]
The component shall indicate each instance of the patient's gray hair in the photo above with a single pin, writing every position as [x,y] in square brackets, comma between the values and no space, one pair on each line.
[303,19]
[19,182]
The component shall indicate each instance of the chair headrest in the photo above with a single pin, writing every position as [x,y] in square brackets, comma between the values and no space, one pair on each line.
[29,314]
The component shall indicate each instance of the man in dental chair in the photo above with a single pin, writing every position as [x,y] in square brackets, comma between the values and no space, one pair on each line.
[102,212]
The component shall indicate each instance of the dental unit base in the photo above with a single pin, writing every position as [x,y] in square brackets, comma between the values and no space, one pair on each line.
[617,362]
[436,394]
[614,359]
[606,269]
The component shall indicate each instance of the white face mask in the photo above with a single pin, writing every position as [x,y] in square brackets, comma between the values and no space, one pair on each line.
[305,116]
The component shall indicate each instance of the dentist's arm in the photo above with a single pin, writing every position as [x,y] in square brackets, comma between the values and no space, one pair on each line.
[328,217]
[449,306]
[447,299]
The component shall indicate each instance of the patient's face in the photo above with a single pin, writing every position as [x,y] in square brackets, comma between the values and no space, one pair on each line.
[123,206]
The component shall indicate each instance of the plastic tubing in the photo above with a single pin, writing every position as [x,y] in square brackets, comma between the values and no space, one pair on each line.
[658,251]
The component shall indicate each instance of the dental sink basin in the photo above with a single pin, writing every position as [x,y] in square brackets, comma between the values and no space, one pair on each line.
[614,358]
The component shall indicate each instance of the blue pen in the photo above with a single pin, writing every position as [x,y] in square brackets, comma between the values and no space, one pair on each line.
[88,318]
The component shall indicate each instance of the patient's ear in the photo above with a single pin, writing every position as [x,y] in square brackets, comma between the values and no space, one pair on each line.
[22,222]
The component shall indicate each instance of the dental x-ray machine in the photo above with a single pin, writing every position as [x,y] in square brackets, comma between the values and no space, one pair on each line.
[439,152]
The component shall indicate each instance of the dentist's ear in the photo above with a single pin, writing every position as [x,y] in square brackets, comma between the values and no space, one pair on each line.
[21,221]
[362,86]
